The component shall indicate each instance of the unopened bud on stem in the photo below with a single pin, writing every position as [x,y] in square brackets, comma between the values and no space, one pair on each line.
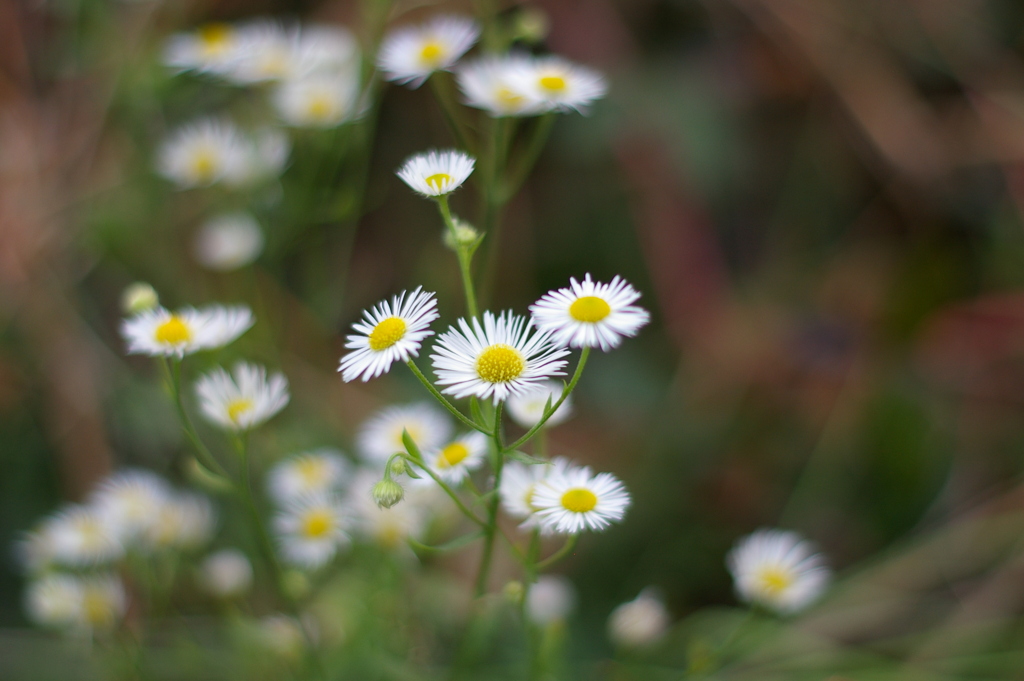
[387,493]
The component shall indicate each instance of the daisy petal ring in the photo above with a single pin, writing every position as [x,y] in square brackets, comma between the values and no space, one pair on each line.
[589,314]
[390,332]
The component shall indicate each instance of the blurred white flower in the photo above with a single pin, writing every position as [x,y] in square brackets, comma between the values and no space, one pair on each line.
[408,55]
[527,408]
[91,603]
[226,573]
[519,482]
[204,152]
[574,499]
[381,435]
[210,48]
[590,314]
[311,530]
[186,522]
[640,622]
[494,84]
[454,461]
[551,599]
[777,569]
[130,502]
[387,527]
[229,241]
[495,359]
[139,297]
[78,536]
[244,401]
[282,635]
[267,51]
[436,173]
[320,100]
[160,332]
[317,472]
[559,84]
[390,332]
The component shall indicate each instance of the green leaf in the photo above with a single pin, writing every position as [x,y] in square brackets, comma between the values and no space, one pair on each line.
[478,414]
[410,446]
[523,457]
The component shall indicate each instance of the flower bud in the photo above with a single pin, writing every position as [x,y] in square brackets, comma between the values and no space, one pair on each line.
[139,297]
[387,493]
[398,466]
[465,235]
[639,622]
[532,25]
[513,592]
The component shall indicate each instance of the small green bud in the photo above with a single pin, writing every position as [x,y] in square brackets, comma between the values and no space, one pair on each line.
[139,297]
[398,466]
[513,592]
[464,237]
[532,25]
[387,493]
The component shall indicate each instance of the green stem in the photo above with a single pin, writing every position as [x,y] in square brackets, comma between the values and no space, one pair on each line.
[534,146]
[464,255]
[492,510]
[554,407]
[263,538]
[447,490]
[444,96]
[203,455]
[561,553]
[440,398]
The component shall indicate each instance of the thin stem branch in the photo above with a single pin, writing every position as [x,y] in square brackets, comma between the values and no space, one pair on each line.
[444,97]
[535,145]
[441,398]
[554,407]
[448,490]
[561,553]
[492,509]
[203,455]
[463,254]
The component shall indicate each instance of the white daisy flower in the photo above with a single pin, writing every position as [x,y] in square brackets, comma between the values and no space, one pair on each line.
[242,402]
[504,356]
[454,461]
[311,530]
[211,48]
[267,51]
[436,173]
[410,54]
[381,436]
[318,101]
[267,155]
[551,599]
[54,600]
[130,502]
[389,528]
[388,333]
[318,472]
[778,570]
[104,602]
[186,522]
[639,623]
[160,332]
[493,84]
[590,314]
[227,242]
[204,152]
[561,85]
[575,499]
[326,49]
[527,409]
[519,482]
[226,573]
[79,536]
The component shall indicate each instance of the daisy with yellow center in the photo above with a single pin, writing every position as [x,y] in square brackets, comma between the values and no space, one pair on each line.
[778,570]
[590,314]
[491,84]
[392,331]
[495,359]
[318,101]
[528,408]
[319,472]
[409,55]
[436,173]
[243,401]
[130,501]
[381,436]
[88,604]
[560,85]
[79,536]
[454,461]
[311,530]
[574,499]
[211,48]
[203,153]
[519,481]
[186,522]
[390,528]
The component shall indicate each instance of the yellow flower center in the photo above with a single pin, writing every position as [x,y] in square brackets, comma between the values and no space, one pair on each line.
[430,54]
[579,500]
[438,181]
[775,580]
[238,407]
[390,535]
[589,309]
[204,165]
[452,455]
[310,470]
[96,608]
[320,108]
[215,38]
[500,363]
[553,83]
[173,331]
[317,523]
[387,333]
[508,99]
[528,497]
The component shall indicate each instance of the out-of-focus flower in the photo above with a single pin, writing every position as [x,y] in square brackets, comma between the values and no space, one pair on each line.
[454,461]
[242,402]
[777,569]
[160,332]
[550,600]
[139,297]
[204,152]
[311,530]
[640,622]
[186,522]
[527,408]
[381,436]
[501,357]
[227,242]
[319,100]
[590,314]
[388,527]
[130,502]
[226,573]
[561,85]
[92,603]
[318,472]
[495,85]
[436,173]
[410,54]
[282,635]
[267,51]
[519,482]
[574,499]
[78,536]
[210,48]
[391,331]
